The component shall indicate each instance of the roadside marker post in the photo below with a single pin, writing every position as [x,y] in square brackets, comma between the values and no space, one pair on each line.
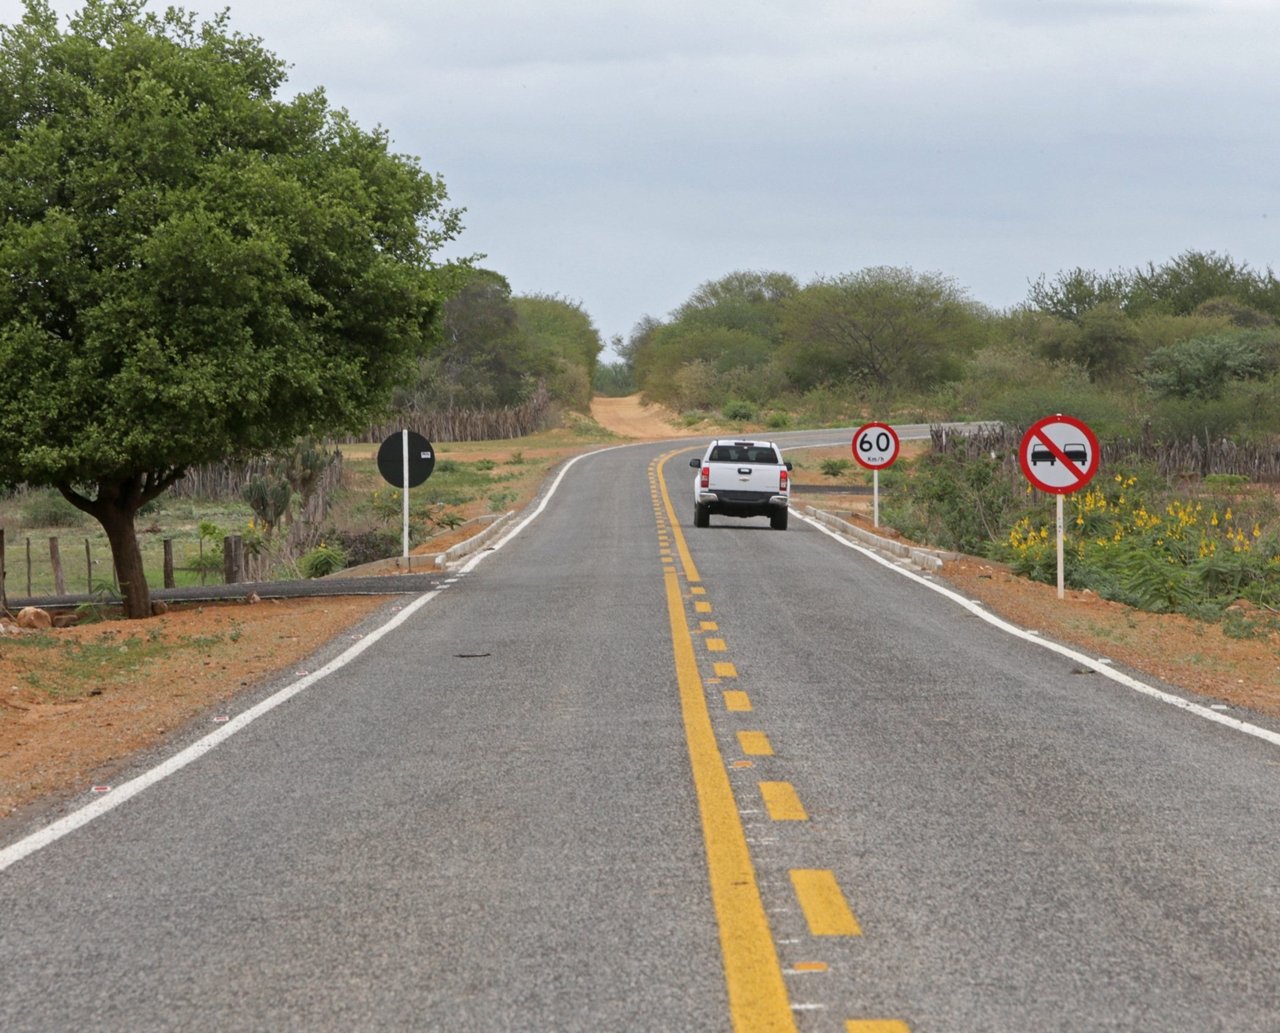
[875,446]
[1068,450]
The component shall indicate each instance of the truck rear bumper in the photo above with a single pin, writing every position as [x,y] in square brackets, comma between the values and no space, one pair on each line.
[728,502]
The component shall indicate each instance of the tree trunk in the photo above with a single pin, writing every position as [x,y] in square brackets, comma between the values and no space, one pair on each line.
[127,555]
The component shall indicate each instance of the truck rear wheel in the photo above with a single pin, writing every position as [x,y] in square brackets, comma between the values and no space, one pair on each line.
[778,521]
[701,515]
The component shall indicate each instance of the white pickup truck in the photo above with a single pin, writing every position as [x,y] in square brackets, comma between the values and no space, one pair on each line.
[741,479]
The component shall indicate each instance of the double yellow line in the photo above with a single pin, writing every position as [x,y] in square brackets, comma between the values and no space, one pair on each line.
[758,998]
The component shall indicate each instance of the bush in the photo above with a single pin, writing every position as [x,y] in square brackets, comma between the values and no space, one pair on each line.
[322,561]
[738,411]
[1166,556]
[960,504]
[835,467]
[366,546]
[50,509]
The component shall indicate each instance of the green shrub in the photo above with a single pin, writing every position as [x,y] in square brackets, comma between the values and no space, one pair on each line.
[50,509]
[448,520]
[779,419]
[366,546]
[832,467]
[322,561]
[738,410]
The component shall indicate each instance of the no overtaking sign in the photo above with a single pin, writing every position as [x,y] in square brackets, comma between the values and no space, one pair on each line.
[1059,454]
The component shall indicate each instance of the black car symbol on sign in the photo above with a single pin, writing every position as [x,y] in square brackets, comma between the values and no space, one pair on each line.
[1075,451]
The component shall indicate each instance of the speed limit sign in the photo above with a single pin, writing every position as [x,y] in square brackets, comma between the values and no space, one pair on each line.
[875,445]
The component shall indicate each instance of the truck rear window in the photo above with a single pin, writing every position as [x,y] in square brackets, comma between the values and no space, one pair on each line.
[744,454]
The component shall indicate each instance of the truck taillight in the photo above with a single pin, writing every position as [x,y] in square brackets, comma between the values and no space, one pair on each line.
[706,477]
[782,480]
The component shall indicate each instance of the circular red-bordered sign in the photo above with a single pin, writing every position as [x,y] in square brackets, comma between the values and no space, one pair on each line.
[875,445]
[1059,454]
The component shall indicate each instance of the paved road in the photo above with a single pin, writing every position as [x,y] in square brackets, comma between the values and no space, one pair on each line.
[621,774]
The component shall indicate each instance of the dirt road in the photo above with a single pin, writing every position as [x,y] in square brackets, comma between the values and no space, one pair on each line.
[627,418]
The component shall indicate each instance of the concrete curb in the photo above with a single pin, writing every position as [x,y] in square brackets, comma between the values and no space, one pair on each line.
[926,559]
[476,542]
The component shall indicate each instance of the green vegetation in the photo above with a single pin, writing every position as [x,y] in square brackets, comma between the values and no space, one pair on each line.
[496,350]
[195,269]
[1190,347]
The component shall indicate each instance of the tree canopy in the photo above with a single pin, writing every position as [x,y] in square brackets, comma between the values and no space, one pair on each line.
[194,268]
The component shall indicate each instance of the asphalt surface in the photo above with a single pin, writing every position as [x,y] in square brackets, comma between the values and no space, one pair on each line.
[486,820]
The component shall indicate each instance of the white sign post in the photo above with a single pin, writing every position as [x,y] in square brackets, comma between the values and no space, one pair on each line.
[1059,454]
[875,446]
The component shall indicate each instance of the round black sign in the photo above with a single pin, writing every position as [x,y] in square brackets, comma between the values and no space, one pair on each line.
[422,459]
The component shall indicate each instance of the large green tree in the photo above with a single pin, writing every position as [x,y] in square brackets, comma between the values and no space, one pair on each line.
[192,268]
[563,335]
[883,328]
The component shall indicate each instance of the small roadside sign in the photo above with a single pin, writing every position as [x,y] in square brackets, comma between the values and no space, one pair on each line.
[1059,454]
[875,445]
[407,446]
[406,460]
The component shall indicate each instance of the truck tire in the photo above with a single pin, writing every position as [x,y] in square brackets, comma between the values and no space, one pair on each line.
[778,521]
[701,515]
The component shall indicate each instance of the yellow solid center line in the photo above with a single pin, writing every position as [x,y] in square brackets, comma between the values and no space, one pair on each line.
[824,906]
[782,802]
[755,744]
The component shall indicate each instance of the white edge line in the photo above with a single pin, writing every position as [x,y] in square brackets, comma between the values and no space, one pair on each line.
[42,838]
[478,558]
[1098,666]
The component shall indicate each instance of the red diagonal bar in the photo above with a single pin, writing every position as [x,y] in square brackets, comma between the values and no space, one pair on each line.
[1069,464]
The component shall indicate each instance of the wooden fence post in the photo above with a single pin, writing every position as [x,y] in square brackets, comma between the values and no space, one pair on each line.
[88,566]
[28,568]
[232,558]
[55,558]
[168,564]
[4,599]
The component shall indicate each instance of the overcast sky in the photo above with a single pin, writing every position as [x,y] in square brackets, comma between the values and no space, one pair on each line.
[619,155]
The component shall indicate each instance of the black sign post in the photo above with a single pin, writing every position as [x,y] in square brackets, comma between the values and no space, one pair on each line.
[405,460]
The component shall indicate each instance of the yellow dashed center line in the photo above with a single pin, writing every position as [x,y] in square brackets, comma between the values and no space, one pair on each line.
[824,906]
[755,744]
[737,701]
[782,802]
